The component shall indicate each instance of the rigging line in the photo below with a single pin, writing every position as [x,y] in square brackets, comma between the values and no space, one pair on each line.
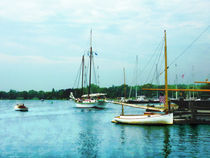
[152,60]
[197,38]
[79,80]
[85,76]
[130,92]
[155,56]
[185,50]
[144,69]
[135,72]
[160,54]
[134,79]
[87,72]
[79,74]
[76,80]
[162,59]
[94,71]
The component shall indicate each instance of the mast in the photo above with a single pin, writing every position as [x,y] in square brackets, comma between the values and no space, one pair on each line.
[136,73]
[91,53]
[193,80]
[157,78]
[166,77]
[124,83]
[98,74]
[176,82]
[83,63]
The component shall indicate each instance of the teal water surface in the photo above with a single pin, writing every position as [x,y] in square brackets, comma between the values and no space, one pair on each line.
[58,129]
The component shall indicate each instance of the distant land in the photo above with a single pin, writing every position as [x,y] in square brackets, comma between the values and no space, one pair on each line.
[112,92]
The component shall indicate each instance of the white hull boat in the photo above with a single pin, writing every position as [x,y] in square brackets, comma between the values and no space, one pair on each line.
[90,104]
[150,118]
[146,119]
[84,105]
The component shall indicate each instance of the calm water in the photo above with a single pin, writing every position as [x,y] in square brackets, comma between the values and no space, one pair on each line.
[58,129]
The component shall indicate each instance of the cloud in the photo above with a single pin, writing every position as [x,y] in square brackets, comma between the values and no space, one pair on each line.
[56,32]
[14,59]
[100,12]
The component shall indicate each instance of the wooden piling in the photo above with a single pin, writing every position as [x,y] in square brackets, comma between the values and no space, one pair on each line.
[193,114]
[122,114]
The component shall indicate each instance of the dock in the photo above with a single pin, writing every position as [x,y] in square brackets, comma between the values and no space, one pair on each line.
[193,114]
[140,106]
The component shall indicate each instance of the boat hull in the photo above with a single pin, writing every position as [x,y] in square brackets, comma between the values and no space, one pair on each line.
[20,109]
[90,105]
[154,119]
[85,105]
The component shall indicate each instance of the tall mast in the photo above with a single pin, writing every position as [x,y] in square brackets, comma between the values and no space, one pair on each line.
[166,77]
[91,53]
[136,73]
[83,64]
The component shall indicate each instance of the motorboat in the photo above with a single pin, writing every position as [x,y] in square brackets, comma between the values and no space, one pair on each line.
[20,107]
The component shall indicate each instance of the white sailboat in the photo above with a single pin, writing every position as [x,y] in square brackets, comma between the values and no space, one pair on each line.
[90,100]
[150,118]
[96,100]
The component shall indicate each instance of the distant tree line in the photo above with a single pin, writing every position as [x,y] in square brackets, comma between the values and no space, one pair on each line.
[112,92]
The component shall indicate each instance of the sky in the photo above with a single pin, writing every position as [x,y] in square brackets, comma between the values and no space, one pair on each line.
[42,42]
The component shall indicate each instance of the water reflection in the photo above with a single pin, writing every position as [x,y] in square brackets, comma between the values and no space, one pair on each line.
[59,130]
[88,142]
[166,142]
[193,138]
[122,135]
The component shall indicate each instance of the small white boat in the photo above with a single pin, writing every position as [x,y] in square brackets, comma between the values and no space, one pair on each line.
[20,107]
[145,119]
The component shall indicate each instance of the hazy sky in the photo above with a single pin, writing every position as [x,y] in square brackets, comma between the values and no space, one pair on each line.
[42,41]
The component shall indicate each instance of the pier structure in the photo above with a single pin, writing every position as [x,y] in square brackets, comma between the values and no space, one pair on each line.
[191,112]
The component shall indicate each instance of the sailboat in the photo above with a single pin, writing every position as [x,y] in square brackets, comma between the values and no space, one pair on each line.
[148,117]
[90,100]
[141,99]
